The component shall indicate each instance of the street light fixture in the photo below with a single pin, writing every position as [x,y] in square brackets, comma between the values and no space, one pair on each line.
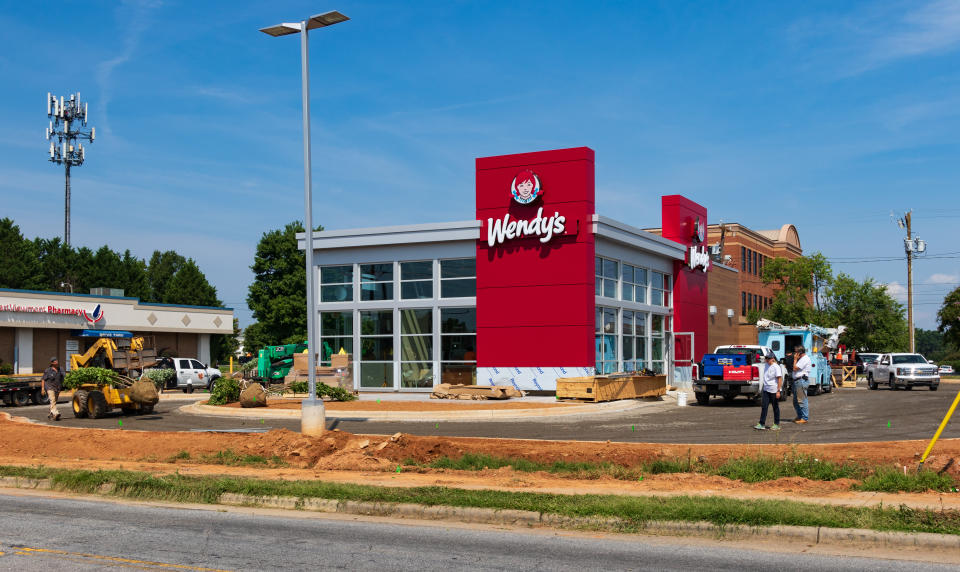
[312,416]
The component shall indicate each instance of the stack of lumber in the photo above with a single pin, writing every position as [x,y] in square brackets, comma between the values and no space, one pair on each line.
[598,388]
[451,391]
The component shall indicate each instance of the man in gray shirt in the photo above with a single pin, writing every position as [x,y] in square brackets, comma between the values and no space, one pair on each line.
[51,384]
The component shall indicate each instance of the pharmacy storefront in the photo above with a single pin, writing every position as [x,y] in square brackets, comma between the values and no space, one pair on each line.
[35,326]
[538,286]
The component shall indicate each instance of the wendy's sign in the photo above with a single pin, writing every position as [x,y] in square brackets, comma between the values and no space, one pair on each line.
[535,260]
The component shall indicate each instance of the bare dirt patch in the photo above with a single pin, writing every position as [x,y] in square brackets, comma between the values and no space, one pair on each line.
[442,405]
[373,459]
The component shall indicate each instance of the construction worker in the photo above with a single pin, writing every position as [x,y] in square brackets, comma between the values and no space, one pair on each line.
[801,381]
[51,383]
[772,386]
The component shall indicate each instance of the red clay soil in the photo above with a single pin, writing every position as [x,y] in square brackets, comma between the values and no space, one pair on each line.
[439,405]
[23,443]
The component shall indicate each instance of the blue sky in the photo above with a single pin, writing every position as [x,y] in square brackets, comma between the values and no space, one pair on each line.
[827,115]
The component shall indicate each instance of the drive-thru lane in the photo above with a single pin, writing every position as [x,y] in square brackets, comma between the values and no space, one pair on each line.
[842,416]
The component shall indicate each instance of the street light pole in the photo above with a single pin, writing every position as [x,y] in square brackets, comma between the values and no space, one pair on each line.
[312,416]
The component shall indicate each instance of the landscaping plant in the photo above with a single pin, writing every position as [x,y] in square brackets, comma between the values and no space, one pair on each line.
[160,377]
[95,375]
[225,390]
[323,390]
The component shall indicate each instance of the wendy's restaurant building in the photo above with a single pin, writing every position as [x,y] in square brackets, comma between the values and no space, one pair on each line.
[537,287]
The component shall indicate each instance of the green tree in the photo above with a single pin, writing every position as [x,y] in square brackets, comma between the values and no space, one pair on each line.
[948,319]
[19,266]
[278,296]
[162,267]
[797,281]
[189,286]
[929,343]
[874,320]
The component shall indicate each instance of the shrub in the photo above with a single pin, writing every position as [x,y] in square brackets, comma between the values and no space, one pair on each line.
[160,377]
[6,368]
[323,390]
[225,390]
[96,375]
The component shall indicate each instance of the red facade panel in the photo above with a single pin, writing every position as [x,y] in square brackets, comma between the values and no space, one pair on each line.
[535,291]
[680,217]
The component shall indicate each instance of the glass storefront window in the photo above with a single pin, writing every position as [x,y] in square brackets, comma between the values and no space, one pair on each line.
[606,340]
[634,287]
[458,345]
[336,333]
[416,280]
[605,282]
[376,348]
[416,348]
[336,283]
[376,281]
[458,278]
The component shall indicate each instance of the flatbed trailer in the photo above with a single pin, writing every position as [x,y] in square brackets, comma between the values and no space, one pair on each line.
[20,390]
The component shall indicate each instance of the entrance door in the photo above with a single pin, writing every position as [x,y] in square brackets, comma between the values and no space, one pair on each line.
[680,365]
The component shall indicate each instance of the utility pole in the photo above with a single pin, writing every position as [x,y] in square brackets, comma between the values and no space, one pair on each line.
[911,245]
[67,116]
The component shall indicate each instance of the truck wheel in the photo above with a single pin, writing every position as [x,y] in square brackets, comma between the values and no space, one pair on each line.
[934,387]
[79,403]
[40,398]
[96,405]
[702,398]
[893,383]
[213,380]
[870,383]
[188,389]
[908,387]
[146,409]
[21,398]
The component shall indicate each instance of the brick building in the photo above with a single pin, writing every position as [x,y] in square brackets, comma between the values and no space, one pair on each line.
[734,282]
[746,251]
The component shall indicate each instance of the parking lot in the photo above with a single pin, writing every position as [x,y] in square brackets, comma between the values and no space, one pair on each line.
[847,415]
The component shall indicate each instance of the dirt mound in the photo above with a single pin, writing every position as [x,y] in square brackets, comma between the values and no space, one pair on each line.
[943,464]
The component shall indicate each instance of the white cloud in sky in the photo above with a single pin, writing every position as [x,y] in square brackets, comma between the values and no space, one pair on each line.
[897,290]
[932,28]
[944,279]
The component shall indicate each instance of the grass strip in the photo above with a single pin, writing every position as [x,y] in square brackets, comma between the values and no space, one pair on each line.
[632,511]
[747,469]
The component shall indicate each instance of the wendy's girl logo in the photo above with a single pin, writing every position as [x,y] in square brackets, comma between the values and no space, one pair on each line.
[525,187]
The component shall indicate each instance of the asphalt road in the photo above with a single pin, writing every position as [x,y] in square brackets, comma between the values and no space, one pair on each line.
[841,416]
[41,534]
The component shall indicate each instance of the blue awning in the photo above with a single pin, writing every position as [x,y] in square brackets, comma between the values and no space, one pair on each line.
[101,334]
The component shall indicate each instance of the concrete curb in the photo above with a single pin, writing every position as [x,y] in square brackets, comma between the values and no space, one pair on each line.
[571,413]
[804,534]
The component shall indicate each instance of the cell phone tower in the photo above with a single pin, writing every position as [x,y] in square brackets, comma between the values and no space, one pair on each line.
[68,117]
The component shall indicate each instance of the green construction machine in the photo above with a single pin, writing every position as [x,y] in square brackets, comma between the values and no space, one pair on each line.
[274,362]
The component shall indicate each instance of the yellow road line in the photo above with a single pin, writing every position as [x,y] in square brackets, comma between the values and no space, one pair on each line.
[27,550]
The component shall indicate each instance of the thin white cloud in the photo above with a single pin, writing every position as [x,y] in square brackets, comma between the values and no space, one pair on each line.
[944,279]
[133,18]
[876,35]
[930,29]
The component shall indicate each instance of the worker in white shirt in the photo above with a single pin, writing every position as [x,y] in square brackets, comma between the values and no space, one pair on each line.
[801,381]
[772,386]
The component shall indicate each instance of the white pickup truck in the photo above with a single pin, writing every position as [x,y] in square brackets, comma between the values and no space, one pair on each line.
[191,373]
[902,370]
